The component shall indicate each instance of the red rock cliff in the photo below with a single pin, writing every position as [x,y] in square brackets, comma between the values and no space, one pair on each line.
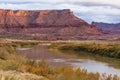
[41,18]
[57,22]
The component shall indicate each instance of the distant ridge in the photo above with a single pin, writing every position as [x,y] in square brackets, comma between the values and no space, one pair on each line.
[109,27]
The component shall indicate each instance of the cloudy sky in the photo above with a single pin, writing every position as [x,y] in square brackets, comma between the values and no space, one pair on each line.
[89,10]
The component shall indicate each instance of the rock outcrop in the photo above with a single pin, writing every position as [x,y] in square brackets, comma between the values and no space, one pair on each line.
[109,27]
[51,23]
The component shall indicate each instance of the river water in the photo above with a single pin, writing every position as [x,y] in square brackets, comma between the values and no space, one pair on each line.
[41,52]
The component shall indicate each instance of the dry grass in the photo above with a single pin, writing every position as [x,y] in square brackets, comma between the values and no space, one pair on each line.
[14,75]
[19,68]
[67,73]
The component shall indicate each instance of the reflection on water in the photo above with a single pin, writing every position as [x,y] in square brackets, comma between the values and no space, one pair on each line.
[23,48]
[89,65]
[40,52]
[94,66]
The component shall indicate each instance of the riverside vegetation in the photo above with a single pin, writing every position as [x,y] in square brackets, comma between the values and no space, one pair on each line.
[111,50]
[10,64]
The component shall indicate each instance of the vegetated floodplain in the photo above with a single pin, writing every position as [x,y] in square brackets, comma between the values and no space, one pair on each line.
[7,49]
[9,61]
[102,49]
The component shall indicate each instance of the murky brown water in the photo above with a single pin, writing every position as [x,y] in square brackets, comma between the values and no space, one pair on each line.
[40,52]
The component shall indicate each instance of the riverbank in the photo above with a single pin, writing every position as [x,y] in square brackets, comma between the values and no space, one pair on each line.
[41,68]
[7,49]
[73,50]
[102,49]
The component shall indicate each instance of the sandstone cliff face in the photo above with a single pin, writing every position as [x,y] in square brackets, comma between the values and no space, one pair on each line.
[42,18]
[52,22]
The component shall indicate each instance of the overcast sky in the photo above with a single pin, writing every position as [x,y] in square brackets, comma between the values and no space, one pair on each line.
[89,10]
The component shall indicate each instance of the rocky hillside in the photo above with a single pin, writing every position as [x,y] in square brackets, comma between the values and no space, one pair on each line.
[45,24]
[109,27]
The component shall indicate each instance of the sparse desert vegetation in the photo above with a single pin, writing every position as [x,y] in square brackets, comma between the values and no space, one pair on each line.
[15,75]
[10,64]
[7,49]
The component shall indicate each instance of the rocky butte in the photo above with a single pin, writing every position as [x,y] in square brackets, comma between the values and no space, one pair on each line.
[46,24]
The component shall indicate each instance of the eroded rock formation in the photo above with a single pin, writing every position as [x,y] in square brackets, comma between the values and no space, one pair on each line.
[45,22]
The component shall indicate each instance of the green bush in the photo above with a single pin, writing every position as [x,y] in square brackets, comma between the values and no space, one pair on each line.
[107,50]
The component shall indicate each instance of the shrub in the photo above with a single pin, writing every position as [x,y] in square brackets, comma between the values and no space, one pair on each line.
[108,50]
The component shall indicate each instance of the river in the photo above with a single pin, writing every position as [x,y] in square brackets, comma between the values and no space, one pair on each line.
[41,52]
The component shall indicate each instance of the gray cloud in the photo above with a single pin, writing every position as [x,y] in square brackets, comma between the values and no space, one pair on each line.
[88,4]
[96,4]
